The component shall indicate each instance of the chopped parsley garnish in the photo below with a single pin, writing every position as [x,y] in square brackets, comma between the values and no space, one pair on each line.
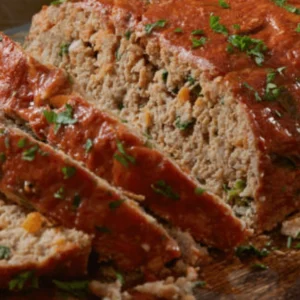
[298,28]
[64,49]
[272,90]
[259,267]
[68,172]
[236,26]
[118,54]
[103,229]
[297,246]
[115,204]
[7,142]
[224,4]
[252,89]
[22,143]
[30,153]
[253,47]
[76,201]
[289,242]
[27,278]
[184,125]
[250,250]
[216,26]
[199,191]
[123,158]
[77,289]
[4,252]
[178,30]
[229,48]
[120,278]
[162,188]
[2,157]
[197,32]
[238,187]
[286,6]
[63,118]
[196,43]
[88,145]
[165,75]
[159,24]
[58,2]
[128,34]
[199,284]
[60,193]
[191,80]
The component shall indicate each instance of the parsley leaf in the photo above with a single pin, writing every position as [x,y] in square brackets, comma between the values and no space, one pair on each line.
[22,143]
[64,49]
[60,193]
[259,267]
[75,288]
[26,278]
[199,284]
[184,125]
[216,26]
[128,34]
[224,4]
[4,252]
[30,153]
[178,30]
[68,172]
[76,201]
[253,47]
[196,43]
[298,28]
[165,75]
[88,145]
[197,32]
[58,2]
[286,6]
[159,24]
[2,157]
[120,278]
[115,204]
[199,191]
[250,88]
[123,158]
[162,188]
[250,250]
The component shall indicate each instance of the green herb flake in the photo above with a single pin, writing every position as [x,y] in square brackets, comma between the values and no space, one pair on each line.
[64,49]
[128,34]
[88,145]
[236,26]
[76,201]
[164,76]
[162,188]
[184,125]
[103,229]
[199,284]
[178,30]
[298,28]
[78,289]
[27,278]
[286,6]
[259,267]
[22,143]
[58,2]
[120,278]
[250,250]
[224,4]
[4,252]
[297,246]
[123,158]
[253,47]
[191,80]
[68,172]
[199,191]
[229,49]
[159,24]
[115,204]
[2,157]
[250,88]
[196,43]
[289,242]
[60,194]
[7,142]
[29,154]
[197,32]
[216,26]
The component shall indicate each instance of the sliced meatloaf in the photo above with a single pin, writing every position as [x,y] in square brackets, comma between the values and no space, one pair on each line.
[216,87]
[110,149]
[30,246]
[35,175]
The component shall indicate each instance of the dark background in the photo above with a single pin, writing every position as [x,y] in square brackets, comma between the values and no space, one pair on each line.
[14,13]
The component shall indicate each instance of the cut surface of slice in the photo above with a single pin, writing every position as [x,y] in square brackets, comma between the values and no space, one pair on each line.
[216,88]
[32,246]
[38,176]
[112,150]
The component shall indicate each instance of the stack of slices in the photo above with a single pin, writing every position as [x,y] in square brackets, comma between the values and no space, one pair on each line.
[150,133]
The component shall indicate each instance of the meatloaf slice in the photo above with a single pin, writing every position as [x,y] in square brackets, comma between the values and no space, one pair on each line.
[35,175]
[110,149]
[216,88]
[31,246]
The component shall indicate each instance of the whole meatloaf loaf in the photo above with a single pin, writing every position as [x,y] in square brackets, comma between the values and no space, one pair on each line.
[43,99]
[31,246]
[214,83]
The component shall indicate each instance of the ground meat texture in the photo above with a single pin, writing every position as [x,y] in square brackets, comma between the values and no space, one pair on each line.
[113,151]
[214,107]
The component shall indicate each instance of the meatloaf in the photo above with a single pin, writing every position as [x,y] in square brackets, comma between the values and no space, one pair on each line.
[215,84]
[35,175]
[109,148]
[30,246]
